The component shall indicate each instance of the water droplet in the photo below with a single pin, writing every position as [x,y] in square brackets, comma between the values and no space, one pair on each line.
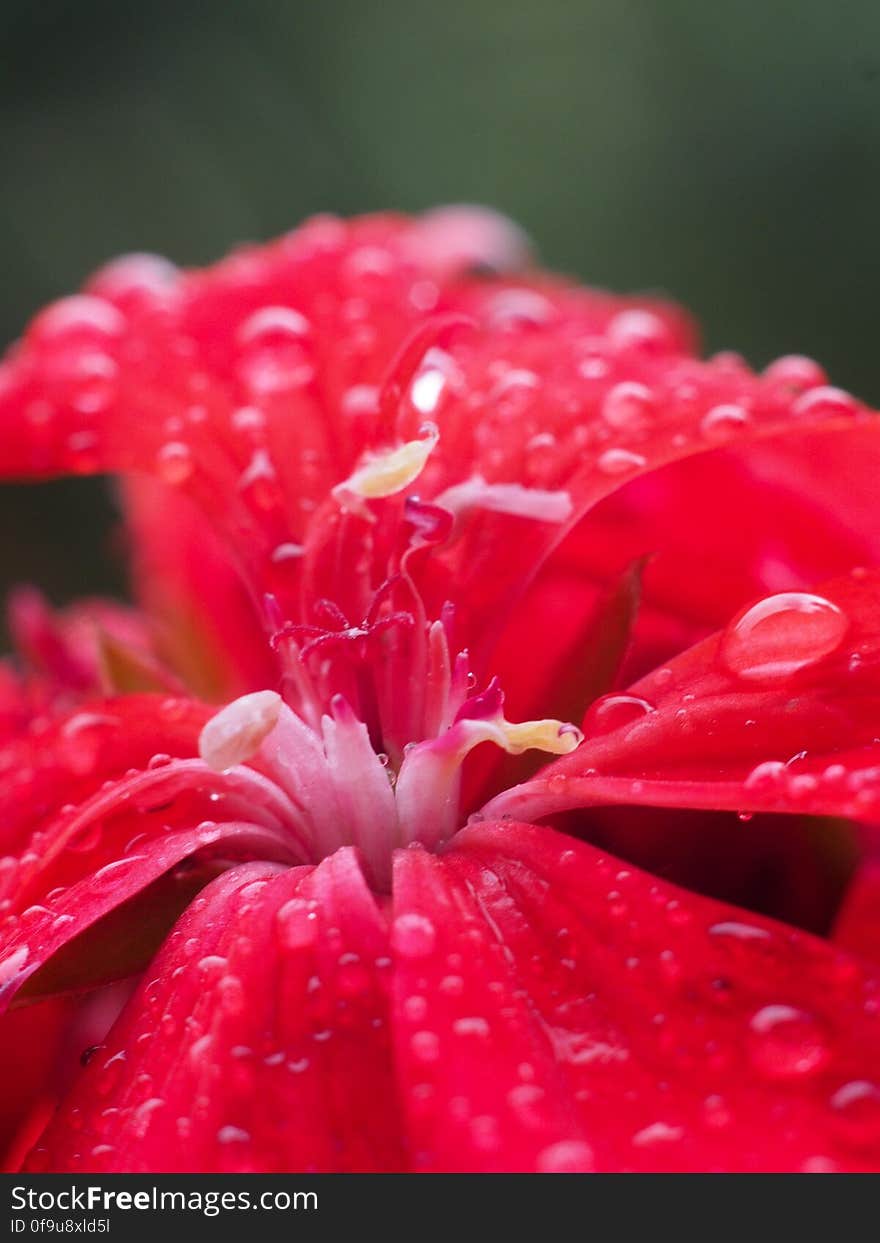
[297,924]
[716,1113]
[612,712]
[111,873]
[462,236]
[518,308]
[78,320]
[82,456]
[824,403]
[471,1026]
[786,1043]
[657,1133]
[819,1165]
[425,1046]
[620,461]
[415,1008]
[639,330]
[627,405]
[273,325]
[360,399]
[231,995]
[259,481]
[248,420]
[283,554]
[135,280]
[110,1073]
[174,462]
[856,1113]
[569,1156]
[274,354]
[485,1133]
[426,390]
[212,964]
[781,635]
[795,373]
[723,421]
[413,936]
[738,931]
[766,776]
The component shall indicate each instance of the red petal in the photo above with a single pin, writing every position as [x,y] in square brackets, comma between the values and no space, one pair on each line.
[765,522]
[62,761]
[592,630]
[779,719]
[478,1079]
[66,645]
[63,943]
[627,1023]
[792,868]
[30,1042]
[857,928]
[209,630]
[273,1052]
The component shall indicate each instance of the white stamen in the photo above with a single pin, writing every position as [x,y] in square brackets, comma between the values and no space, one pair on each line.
[427,788]
[234,735]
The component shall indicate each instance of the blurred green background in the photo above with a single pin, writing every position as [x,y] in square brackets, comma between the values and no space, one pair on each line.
[727,154]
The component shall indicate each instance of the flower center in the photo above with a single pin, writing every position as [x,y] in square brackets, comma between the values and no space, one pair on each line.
[367,740]
[341,792]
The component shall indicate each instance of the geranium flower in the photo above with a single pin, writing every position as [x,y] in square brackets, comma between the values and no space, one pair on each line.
[405,515]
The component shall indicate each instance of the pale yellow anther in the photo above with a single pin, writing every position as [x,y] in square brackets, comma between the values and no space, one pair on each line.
[547,735]
[234,735]
[384,474]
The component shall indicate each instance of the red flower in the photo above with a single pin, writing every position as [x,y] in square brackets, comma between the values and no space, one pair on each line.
[372,479]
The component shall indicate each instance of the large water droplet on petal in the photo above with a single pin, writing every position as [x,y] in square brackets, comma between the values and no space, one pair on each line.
[781,635]
[785,1043]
